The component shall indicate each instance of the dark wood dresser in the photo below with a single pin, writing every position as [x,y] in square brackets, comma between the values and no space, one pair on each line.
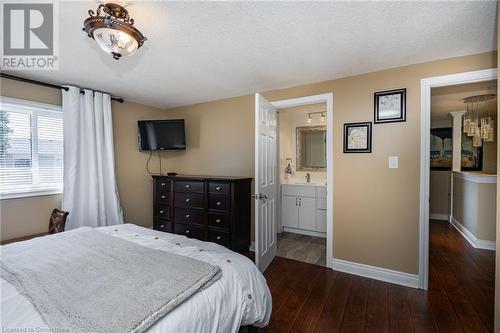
[214,209]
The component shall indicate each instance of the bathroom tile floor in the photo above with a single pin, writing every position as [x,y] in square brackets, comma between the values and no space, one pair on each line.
[303,248]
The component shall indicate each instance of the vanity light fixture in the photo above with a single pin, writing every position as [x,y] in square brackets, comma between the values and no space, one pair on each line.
[322,113]
[114,30]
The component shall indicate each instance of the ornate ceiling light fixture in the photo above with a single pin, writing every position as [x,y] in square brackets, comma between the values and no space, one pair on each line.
[113,30]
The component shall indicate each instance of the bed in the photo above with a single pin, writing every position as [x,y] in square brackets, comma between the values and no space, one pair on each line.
[240,297]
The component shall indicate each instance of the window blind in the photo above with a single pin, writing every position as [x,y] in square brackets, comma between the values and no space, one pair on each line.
[31,148]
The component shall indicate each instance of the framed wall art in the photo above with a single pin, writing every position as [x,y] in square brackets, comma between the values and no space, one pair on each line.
[358,137]
[390,106]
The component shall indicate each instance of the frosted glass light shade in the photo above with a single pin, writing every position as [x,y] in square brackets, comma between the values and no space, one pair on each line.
[115,42]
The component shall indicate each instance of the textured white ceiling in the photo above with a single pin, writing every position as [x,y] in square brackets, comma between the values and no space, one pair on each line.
[200,51]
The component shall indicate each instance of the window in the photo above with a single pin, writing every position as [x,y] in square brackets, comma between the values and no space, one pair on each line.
[31,148]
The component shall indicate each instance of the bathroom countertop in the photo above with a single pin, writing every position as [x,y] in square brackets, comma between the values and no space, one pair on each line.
[302,183]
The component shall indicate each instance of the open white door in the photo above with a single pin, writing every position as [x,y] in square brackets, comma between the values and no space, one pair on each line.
[266,183]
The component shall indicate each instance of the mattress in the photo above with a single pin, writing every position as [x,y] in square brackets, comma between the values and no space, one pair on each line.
[240,297]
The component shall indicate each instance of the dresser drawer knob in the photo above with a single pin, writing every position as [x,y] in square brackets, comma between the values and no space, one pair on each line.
[219,203]
[163,184]
[218,188]
[161,211]
[188,216]
[162,226]
[219,237]
[163,197]
[187,231]
[217,221]
[187,200]
[187,186]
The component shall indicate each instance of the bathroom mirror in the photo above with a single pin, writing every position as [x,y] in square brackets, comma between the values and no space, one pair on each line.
[311,148]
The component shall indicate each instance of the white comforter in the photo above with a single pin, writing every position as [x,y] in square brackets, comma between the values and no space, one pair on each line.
[240,297]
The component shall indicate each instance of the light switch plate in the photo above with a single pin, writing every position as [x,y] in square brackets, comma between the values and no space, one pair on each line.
[393,162]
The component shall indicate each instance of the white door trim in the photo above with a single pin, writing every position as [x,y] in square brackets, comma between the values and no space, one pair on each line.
[425,125]
[328,99]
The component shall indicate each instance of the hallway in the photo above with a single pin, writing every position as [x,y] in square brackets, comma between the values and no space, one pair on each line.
[311,298]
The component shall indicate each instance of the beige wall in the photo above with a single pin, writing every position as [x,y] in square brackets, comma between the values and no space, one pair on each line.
[440,192]
[376,209]
[26,216]
[474,207]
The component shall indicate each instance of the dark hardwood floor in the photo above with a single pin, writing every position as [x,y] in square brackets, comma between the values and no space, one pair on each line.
[310,298]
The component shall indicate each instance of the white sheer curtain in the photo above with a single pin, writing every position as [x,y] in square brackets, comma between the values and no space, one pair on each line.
[90,194]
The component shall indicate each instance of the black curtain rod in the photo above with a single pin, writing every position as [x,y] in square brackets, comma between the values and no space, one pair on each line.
[49,85]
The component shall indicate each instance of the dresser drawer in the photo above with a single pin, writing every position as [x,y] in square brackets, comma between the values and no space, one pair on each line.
[219,188]
[162,196]
[189,231]
[189,200]
[163,183]
[219,202]
[163,212]
[189,216]
[219,220]
[219,237]
[162,226]
[189,187]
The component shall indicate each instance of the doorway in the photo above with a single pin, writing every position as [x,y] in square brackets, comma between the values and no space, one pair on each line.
[298,196]
[302,169]
[427,85]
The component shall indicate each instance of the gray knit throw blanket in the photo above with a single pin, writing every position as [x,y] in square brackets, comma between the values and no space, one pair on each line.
[86,281]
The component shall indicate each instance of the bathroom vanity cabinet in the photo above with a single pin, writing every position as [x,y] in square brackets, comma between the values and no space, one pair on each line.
[303,209]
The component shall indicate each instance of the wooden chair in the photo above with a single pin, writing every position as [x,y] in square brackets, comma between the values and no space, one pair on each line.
[57,221]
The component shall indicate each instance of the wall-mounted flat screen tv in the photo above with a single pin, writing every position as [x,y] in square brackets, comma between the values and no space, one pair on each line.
[162,134]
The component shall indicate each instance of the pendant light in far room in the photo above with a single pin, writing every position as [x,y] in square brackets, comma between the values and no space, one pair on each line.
[478,123]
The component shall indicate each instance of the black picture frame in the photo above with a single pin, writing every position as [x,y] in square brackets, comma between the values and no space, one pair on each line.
[368,148]
[402,105]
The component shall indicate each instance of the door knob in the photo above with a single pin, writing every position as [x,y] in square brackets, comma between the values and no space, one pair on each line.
[259,196]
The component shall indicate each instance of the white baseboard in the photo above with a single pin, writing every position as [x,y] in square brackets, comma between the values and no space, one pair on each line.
[477,243]
[304,232]
[252,247]
[376,273]
[441,217]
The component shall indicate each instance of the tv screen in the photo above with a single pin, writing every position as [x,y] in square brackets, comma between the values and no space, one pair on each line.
[162,134]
